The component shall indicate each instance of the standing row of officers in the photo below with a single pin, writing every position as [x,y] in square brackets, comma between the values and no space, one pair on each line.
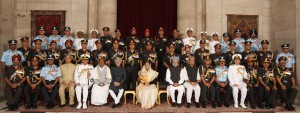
[110,66]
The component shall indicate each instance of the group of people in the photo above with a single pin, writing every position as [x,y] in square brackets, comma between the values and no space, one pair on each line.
[110,65]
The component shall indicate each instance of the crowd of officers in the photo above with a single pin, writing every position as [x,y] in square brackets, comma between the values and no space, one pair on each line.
[268,74]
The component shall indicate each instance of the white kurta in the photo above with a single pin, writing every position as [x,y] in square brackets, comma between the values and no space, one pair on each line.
[100,93]
[171,89]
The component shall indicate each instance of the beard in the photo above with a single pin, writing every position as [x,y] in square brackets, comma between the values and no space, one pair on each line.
[68,47]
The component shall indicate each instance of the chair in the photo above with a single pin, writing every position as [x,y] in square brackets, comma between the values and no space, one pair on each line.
[161,91]
[130,92]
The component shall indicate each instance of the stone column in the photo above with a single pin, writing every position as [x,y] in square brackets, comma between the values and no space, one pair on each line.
[297,48]
[107,14]
[187,16]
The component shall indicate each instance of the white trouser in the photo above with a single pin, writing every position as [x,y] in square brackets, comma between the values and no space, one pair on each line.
[171,90]
[235,91]
[85,90]
[189,92]
[118,97]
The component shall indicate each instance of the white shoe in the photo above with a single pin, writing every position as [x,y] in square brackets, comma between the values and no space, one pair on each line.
[243,106]
[84,106]
[79,105]
[236,105]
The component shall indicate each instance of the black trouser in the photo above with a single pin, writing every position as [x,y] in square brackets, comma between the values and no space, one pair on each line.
[131,76]
[13,95]
[160,67]
[32,96]
[289,99]
[228,92]
[205,90]
[269,96]
[250,94]
[50,95]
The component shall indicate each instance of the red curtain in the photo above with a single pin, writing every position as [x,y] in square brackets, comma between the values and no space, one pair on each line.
[143,14]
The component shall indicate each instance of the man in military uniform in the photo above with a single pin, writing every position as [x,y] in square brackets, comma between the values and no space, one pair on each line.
[132,59]
[222,82]
[37,51]
[14,78]
[50,77]
[190,39]
[25,49]
[150,56]
[265,53]
[66,51]
[93,39]
[67,36]
[43,38]
[114,52]
[32,74]
[225,43]
[77,41]
[106,39]
[177,41]
[216,55]
[286,82]
[199,53]
[7,55]
[187,54]
[67,81]
[291,61]
[252,83]
[82,51]
[167,60]
[203,35]
[55,36]
[122,41]
[54,51]
[249,52]
[208,75]
[133,36]
[256,44]
[145,40]
[83,73]
[268,88]
[230,53]
[160,47]
[239,41]
[95,53]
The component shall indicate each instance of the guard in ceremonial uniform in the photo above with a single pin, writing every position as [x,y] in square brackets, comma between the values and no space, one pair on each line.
[66,37]
[225,43]
[208,75]
[239,41]
[190,39]
[265,53]
[55,36]
[199,53]
[167,60]
[50,77]
[66,51]
[95,53]
[43,38]
[33,87]
[82,51]
[160,47]
[54,51]
[14,78]
[222,82]
[7,55]
[286,83]
[175,79]
[91,41]
[216,55]
[291,61]
[37,51]
[268,89]
[237,75]
[132,59]
[252,83]
[83,73]
[133,36]
[230,53]
[25,49]
[114,52]
[122,41]
[149,56]
[184,58]
[77,41]
[177,41]
[106,39]
[249,52]
[256,43]
[145,40]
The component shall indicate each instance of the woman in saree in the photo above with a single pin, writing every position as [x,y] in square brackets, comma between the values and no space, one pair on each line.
[146,90]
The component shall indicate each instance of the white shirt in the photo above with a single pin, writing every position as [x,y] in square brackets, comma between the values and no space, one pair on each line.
[91,44]
[212,46]
[191,41]
[168,77]
[236,74]
[77,43]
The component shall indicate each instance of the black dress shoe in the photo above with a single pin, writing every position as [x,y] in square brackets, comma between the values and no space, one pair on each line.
[226,105]
[188,105]
[204,104]
[253,106]
[173,104]
[61,106]
[16,106]
[213,105]
[179,105]
[219,104]
[291,108]
[114,106]
[272,106]
[197,105]
[106,104]
[261,107]
[72,106]
[34,106]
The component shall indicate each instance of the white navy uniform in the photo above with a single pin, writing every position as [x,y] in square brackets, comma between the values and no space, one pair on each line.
[77,43]
[91,44]
[191,41]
